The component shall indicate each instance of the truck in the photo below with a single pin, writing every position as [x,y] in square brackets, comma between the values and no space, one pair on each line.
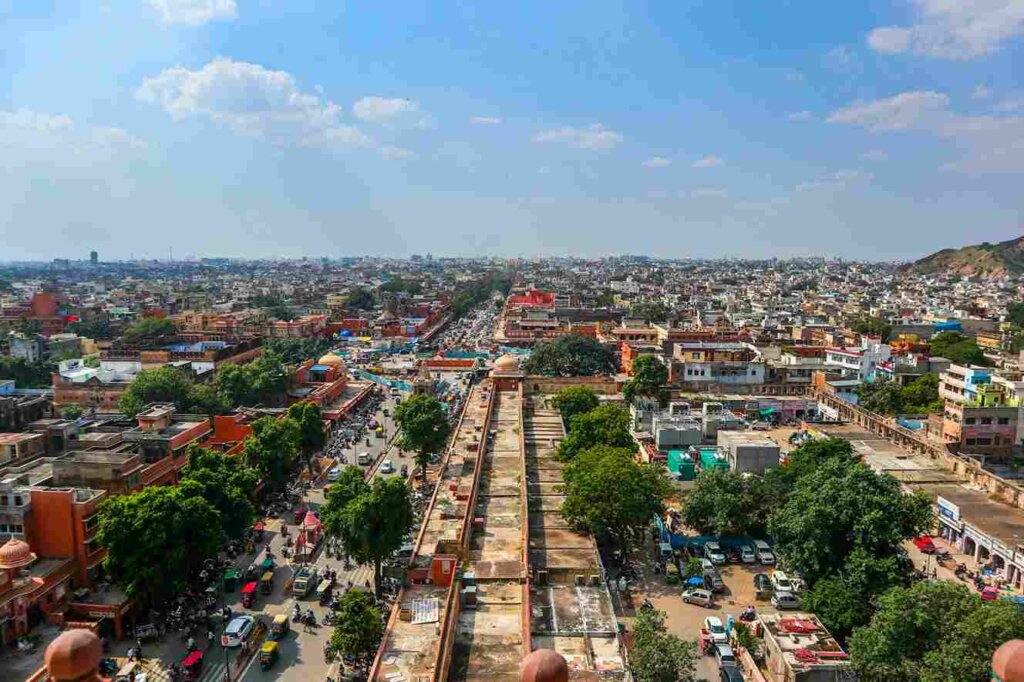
[304,581]
[364,458]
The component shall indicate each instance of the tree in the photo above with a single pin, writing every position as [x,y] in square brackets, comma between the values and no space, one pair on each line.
[92,329]
[374,524]
[574,400]
[162,385]
[361,299]
[310,420]
[883,397]
[724,502]
[296,351]
[572,355]
[261,381]
[25,374]
[922,395]
[425,428]
[157,537]
[350,485]
[932,631]
[657,655]
[206,399]
[272,448]
[1015,314]
[651,311]
[840,604]
[358,628]
[886,397]
[603,425]
[957,348]
[148,329]
[649,376]
[874,326]
[607,492]
[225,484]
[71,412]
[842,506]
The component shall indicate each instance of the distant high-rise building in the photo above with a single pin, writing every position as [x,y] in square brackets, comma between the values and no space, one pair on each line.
[94,257]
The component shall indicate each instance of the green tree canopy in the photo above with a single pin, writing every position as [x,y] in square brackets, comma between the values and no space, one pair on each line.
[957,348]
[297,351]
[1015,314]
[425,428]
[651,311]
[574,400]
[350,485]
[724,502]
[374,524]
[24,373]
[874,326]
[886,397]
[649,378]
[607,492]
[604,425]
[225,484]
[657,655]
[161,385]
[310,419]
[359,627]
[261,381]
[272,448]
[572,355]
[361,299]
[148,329]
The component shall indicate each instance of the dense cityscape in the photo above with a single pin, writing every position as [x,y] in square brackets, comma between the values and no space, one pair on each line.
[429,468]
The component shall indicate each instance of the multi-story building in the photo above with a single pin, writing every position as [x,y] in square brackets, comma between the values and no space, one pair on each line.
[701,363]
[969,384]
[857,363]
[18,408]
[16,448]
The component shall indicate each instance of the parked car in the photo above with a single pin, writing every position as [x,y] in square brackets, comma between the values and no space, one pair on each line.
[730,672]
[405,471]
[715,628]
[713,581]
[713,551]
[925,544]
[334,474]
[764,553]
[237,631]
[781,582]
[747,555]
[762,583]
[785,600]
[724,654]
[706,565]
[387,467]
[699,597]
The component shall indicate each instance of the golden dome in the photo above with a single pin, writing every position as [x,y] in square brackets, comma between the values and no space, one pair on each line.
[507,363]
[331,360]
[1008,661]
[543,665]
[15,554]
[74,655]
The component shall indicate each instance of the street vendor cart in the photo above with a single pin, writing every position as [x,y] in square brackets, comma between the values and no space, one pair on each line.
[230,580]
[193,665]
[249,594]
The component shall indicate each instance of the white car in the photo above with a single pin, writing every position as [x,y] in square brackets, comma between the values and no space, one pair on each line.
[747,555]
[764,553]
[699,597]
[334,474]
[781,582]
[785,600]
[713,551]
[717,631]
[237,631]
[387,467]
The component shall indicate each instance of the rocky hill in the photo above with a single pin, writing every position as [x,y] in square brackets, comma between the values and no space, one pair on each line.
[985,259]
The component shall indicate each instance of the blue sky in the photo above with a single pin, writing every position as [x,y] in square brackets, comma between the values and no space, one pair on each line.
[265,128]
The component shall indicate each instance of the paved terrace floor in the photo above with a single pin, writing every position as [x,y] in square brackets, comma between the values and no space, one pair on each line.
[489,639]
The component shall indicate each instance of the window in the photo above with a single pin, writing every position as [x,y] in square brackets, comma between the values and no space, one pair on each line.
[969,420]
[16,528]
[695,356]
[984,441]
[986,420]
[1003,421]
[971,441]
[17,500]
[3,528]
[4,501]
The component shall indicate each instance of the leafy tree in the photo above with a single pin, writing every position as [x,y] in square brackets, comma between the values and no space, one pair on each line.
[883,397]
[359,627]
[148,329]
[225,484]
[651,311]
[957,348]
[206,399]
[932,631]
[24,373]
[157,537]
[374,524]
[272,448]
[1015,314]
[162,385]
[649,377]
[261,381]
[874,326]
[296,351]
[92,329]
[606,299]
[361,299]
[71,412]
[886,397]
[603,425]
[425,428]
[724,502]
[657,655]
[93,362]
[805,459]
[310,420]
[607,492]
[350,485]
[572,355]
[922,394]
[840,507]
[839,603]
[574,400]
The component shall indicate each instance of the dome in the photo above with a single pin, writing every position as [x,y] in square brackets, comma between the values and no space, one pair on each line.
[507,363]
[16,554]
[73,655]
[1008,661]
[544,665]
[310,521]
[331,360]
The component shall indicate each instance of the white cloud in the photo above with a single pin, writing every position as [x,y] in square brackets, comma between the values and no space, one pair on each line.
[801,116]
[485,120]
[832,181]
[709,161]
[899,112]
[657,162]
[1010,105]
[383,109]
[45,136]
[953,29]
[981,92]
[874,155]
[194,12]
[987,144]
[251,100]
[389,153]
[709,193]
[595,136]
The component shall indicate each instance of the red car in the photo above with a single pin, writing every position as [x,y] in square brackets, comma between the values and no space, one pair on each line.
[925,544]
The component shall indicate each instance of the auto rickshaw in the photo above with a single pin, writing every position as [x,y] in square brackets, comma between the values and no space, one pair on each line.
[193,665]
[230,580]
[279,627]
[266,565]
[268,654]
[258,530]
[267,582]
[249,594]
[323,590]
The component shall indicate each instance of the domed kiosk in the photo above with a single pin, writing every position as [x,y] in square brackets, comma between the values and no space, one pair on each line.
[1008,662]
[543,665]
[506,373]
[15,555]
[74,657]
[331,360]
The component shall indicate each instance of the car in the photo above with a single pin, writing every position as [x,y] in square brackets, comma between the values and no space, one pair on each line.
[925,544]
[334,474]
[237,631]
[716,630]
[762,583]
[747,555]
[724,654]
[785,600]
[699,597]
[713,581]
[730,672]
[713,551]
[764,553]
[387,467]
[405,471]
[781,582]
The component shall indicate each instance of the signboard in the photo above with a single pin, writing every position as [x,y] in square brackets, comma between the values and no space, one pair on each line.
[947,509]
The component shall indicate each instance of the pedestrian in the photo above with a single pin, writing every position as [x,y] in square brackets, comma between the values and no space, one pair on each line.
[209,638]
